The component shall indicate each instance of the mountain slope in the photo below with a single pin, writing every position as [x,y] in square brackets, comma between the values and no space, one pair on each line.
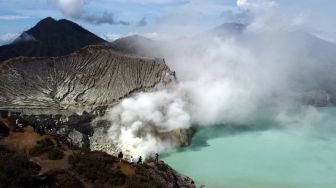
[93,76]
[303,61]
[49,38]
[139,45]
[136,44]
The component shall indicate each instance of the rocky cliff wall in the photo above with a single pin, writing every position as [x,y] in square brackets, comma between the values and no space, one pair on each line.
[91,77]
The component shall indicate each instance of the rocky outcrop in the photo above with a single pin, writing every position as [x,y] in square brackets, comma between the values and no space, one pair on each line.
[93,77]
[101,139]
[78,168]
[108,171]
[183,136]
[162,172]
[78,139]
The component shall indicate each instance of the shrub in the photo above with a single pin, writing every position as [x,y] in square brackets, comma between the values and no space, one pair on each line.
[41,147]
[16,170]
[62,178]
[55,154]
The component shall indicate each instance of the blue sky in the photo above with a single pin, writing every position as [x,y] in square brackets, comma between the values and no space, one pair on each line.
[159,18]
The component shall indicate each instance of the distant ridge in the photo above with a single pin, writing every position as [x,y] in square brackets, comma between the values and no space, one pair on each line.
[136,44]
[50,37]
[142,46]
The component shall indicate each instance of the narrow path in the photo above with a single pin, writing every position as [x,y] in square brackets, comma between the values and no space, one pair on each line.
[22,141]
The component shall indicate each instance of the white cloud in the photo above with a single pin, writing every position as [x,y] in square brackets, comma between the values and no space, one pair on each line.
[193,16]
[72,8]
[13,17]
[256,4]
[8,37]
[272,15]
[75,9]
[144,2]
[113,36]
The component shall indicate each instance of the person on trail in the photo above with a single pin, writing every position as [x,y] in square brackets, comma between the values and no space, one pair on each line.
[40,129]
[132,160]
[18,125]
[120,156]
[157,157]
[140,160]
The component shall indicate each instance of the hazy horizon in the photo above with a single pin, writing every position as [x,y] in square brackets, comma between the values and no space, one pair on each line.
[168,18]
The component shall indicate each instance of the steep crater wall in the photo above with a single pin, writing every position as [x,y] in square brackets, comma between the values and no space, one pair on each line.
[91,77]
[62,95]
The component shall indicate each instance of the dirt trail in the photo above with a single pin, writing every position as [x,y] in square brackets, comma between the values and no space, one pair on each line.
[24,141]
[47,165]
[127,169]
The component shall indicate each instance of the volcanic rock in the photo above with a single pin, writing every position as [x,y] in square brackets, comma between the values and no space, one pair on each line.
[49,38]
[92,77]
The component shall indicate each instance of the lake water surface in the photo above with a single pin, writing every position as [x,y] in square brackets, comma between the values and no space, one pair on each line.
[291,149]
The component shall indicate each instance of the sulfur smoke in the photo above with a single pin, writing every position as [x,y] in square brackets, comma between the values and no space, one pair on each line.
[139,124]
[226,78]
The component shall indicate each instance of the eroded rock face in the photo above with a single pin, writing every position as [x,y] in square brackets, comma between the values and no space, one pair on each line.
[92,77]
[101,139]
[162,172]
[78,139]
[48,92]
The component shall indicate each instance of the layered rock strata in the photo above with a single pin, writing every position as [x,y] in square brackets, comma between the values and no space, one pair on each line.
[89,78]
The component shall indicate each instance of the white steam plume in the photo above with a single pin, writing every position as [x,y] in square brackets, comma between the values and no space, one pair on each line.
[226,79]
[139,125]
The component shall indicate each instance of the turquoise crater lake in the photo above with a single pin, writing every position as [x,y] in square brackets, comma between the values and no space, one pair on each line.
[292,149]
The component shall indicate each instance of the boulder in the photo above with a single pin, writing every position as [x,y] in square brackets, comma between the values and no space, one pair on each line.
[78,139]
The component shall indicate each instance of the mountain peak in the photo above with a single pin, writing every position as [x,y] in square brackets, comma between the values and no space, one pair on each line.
[231,27]
[48,20]
[50,37]
[49,27]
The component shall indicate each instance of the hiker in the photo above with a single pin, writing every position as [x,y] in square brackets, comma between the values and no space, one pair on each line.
[120,156]
[140,160]
[131,160]
[16,122]
[157,157]
[40,129]
[18,125]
